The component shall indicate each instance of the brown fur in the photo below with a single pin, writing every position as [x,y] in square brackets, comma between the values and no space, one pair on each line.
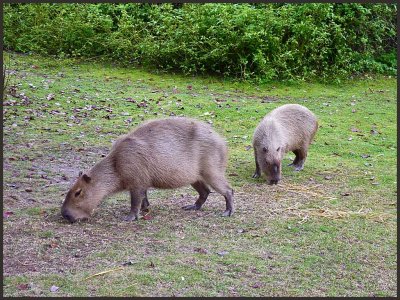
[166,153]
[290,127]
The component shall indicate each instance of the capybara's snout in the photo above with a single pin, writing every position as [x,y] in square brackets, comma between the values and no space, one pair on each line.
[67,215]
[275,181]
[274,174]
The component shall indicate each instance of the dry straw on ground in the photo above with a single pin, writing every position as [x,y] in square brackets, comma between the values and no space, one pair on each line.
[325,212]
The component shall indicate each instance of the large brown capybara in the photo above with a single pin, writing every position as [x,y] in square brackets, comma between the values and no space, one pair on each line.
[290,127]
[165,153]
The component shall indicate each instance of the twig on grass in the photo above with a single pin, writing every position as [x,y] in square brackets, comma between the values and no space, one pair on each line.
[104,272]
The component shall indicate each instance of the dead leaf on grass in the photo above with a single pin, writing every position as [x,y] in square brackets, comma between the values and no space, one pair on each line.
[23,286]
[53,245]
[54,288]
[7,214]
[374,131]
[201,250]
[257,285]
[147,217]
[129,99]
[142,104]
[222,253]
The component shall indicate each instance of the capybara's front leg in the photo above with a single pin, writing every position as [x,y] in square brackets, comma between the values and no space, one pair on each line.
[203,191]
[137,197]
[257,171]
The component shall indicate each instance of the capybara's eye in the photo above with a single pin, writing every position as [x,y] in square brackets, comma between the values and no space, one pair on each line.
[78,192]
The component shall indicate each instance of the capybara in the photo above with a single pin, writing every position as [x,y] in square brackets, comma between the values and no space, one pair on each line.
[290,127]
[163,153]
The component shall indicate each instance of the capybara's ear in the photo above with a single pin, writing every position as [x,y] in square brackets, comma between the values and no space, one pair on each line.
[86,178]
[78,192]
[80,174]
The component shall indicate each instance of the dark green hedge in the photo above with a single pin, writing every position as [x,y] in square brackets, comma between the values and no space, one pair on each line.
[262,41]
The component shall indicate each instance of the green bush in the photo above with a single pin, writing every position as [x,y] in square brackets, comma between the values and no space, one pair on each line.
[247,41]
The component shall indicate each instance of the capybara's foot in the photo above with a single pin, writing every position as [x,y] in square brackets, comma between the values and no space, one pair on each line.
[131,217]
[298,168]
[144,211]
[228,213]
[191,207]
[299,165]
[256,175]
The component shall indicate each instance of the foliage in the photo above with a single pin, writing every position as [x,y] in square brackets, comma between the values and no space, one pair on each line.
[262,41]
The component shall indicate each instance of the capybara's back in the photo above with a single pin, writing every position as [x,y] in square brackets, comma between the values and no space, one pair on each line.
[170,153]
[298,123]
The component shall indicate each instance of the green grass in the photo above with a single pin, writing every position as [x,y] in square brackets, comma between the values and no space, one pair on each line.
[329,230]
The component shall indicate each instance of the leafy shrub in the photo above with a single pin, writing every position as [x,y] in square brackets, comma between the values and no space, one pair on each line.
[248,41]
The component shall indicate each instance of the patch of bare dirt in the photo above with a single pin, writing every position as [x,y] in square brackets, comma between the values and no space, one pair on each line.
[44,242]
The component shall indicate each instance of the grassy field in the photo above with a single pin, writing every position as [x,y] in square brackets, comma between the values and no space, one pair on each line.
[329,230]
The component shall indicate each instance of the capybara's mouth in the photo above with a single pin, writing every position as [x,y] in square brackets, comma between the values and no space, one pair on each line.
[78,220]
[71,219]
[68,217]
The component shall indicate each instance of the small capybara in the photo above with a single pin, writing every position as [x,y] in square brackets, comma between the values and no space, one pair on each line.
[290,127]
[163,153]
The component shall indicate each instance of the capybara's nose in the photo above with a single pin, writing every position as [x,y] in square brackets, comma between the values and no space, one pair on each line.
[67,216]
[274,181]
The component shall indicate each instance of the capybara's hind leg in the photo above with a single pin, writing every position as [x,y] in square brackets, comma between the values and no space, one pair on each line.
[145,202]
[257,171]
[299,160]
[203,191]
[137,197]
[221,186]
[296,159]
